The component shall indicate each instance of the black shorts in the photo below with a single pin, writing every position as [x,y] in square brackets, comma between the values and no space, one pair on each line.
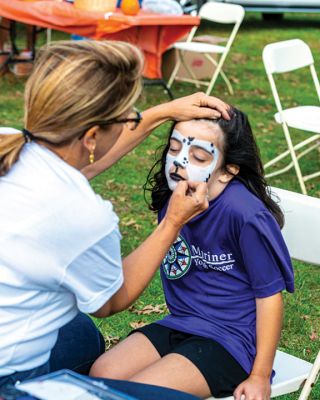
[221,371]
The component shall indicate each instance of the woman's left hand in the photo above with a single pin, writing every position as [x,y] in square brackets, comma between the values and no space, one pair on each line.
[198,105]
[254,388]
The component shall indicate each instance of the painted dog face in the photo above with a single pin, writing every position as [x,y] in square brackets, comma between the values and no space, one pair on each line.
[190,156]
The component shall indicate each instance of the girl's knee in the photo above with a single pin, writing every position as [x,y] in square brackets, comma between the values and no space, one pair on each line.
[98,368]
[104,367]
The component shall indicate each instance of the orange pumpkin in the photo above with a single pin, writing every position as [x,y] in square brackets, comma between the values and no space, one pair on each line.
[130,7]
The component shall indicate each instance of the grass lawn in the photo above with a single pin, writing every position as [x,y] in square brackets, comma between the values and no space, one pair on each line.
[122,184]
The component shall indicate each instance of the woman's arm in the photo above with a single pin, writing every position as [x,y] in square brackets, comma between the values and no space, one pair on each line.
[269,323]
[197,105]
[140,266]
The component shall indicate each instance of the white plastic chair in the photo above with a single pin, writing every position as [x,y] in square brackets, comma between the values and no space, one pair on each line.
[219,13]
[283,57]
[301,233]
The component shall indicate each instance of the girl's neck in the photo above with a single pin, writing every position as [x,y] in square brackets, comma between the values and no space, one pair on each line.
[215,190]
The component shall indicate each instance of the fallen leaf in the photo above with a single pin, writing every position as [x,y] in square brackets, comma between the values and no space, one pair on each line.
[306,351]
[111,341]
[139,324]
[314,335]
[129,222]
[150,309]
[234,79]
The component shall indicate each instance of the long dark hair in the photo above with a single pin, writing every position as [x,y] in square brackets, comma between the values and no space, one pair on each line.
[238,147]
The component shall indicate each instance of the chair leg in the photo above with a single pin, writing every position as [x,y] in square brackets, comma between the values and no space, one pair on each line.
[175,71]
[215,74]
[294,158]
[189,70]
[223,75]
[311,380]
[228,83]
[290,165]
[49,36]
[287,152]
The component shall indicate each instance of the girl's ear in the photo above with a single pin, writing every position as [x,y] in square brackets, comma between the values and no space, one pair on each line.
[229,172]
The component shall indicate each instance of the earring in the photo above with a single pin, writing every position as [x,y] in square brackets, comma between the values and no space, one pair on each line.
[91,157]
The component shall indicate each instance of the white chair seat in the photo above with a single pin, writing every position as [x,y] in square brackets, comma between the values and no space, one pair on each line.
[198,47]
[290,374]
[306,118]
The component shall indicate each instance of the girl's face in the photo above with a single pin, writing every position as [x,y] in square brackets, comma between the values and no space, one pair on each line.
[194,153]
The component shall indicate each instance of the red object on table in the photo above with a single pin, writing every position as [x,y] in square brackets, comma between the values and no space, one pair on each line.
[152,33]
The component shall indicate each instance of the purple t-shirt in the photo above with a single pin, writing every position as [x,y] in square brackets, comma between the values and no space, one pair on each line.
[221,262]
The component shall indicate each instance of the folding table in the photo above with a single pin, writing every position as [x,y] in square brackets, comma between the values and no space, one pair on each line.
[152,33]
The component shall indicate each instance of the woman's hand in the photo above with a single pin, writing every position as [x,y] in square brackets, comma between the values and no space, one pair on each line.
[256,387]
[188,200]
[198,105]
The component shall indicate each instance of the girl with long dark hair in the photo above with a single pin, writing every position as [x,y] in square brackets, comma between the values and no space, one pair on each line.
[222,277]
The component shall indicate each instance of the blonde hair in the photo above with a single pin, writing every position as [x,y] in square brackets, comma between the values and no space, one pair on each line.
[74,84]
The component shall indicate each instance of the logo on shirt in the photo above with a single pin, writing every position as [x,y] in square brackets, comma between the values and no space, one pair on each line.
[178,259]
[180,256]
[218,262]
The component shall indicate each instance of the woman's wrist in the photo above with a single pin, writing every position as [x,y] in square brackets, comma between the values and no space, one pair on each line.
[162,112]
[171,226]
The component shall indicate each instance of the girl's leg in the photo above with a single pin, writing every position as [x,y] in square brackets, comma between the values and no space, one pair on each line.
[142,391]
[127,358]
[176,372]
[79,344]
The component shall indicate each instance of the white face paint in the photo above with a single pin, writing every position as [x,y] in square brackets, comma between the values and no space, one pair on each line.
[182,160]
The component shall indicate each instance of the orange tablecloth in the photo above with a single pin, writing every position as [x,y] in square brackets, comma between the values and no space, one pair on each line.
[152,33]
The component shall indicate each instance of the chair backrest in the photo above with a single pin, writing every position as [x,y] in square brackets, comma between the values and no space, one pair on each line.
[302,224]
[286,56]
[222,13]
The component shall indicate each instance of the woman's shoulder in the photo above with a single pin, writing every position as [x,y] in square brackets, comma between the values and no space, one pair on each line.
[63,191]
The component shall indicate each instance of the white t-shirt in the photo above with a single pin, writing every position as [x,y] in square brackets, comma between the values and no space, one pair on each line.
[59,253]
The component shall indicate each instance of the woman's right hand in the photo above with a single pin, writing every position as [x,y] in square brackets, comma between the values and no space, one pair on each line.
[188,200]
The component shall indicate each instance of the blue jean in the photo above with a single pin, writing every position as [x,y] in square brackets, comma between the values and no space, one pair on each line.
[78,345]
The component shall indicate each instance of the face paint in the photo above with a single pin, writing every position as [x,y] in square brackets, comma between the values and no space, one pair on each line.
[182,160]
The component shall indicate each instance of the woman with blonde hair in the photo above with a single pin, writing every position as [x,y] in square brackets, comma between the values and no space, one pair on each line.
[59,241]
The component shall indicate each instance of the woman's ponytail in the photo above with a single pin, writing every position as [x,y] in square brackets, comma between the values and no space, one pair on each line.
[10,148]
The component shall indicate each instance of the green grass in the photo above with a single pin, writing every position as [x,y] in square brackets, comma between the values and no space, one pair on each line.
[122,184]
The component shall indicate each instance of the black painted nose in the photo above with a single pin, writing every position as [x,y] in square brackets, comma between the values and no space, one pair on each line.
[177,164]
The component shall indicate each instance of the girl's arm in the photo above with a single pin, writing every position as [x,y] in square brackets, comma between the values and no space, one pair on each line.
[269,323]
[197,105]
